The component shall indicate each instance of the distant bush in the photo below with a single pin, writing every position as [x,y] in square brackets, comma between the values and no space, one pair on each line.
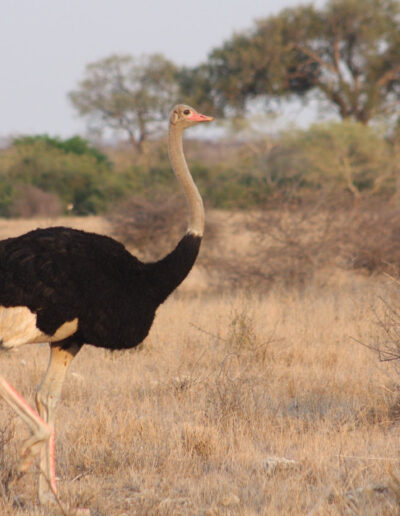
[153,225]
[231,188]
[75,145]
[332,158]
[72,171]
[336,157]
[30,201]
[149,225]
[370,237]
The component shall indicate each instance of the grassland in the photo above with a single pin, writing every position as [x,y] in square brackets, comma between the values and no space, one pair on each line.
[238,403]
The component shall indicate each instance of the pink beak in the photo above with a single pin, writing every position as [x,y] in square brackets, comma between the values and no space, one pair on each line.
[198,117]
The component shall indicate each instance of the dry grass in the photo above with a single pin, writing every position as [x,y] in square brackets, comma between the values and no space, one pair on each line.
[236,404]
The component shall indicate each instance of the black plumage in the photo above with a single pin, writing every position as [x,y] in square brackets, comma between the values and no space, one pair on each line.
[61,274]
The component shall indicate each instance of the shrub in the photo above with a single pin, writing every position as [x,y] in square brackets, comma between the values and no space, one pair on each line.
[370,237]
[75,145]
[78,177]
[343,156]
[30,201]
[153,225]
[149,224]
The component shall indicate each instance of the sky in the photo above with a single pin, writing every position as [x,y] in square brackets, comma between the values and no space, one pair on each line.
[46,44]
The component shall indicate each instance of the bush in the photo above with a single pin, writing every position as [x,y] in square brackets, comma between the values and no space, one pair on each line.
[74,145]
[149,224]
[71,171]
[370,237]
[153,225]
[229,188]
[345,156]
[30,201]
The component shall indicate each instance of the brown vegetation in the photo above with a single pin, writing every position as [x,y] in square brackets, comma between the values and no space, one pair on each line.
[150,226]
[31,201]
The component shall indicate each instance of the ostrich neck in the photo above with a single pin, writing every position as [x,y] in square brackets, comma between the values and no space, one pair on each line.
[166,274]
[178,162]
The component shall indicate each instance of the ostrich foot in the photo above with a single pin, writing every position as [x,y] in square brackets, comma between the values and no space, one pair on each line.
[32,447]
[42,437]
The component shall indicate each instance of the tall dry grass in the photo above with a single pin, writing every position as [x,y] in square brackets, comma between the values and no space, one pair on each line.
[236,404]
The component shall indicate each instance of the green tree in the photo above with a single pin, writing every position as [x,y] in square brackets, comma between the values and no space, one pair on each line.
[347,54]
[197,89]
[127,95]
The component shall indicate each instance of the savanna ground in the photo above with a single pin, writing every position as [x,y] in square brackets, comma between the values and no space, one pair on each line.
[240,402]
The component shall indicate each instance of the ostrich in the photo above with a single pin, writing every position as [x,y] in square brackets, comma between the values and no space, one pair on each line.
[69,287]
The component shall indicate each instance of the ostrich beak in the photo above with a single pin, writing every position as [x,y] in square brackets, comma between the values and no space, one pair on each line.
[198,117]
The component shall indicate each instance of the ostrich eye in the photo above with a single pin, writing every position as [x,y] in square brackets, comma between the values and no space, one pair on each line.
[186,112]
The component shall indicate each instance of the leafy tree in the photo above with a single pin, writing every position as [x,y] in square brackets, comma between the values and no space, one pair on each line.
[126,94]
[197,89]
[347,53]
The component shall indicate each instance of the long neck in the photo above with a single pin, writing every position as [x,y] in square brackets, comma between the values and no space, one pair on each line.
[170,271]
[194,200]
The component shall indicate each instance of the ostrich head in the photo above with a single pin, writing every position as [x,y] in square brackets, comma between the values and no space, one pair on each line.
[185,116]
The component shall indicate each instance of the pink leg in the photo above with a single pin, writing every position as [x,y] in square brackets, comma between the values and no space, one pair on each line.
[42,424]
[41,431]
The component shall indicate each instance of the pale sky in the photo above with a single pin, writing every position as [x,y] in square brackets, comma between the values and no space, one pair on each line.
[45,45]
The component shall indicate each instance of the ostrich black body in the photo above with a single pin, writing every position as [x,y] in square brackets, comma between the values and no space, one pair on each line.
[61,274]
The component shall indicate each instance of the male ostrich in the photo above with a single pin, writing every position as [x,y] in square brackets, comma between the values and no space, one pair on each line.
[69,287]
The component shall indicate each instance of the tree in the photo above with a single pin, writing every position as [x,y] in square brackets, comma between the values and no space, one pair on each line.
[197,90]
[125,94]
[346,53]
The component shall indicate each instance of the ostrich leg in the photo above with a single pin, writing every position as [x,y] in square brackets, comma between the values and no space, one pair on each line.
[42,425]
[47,398]
[40,430]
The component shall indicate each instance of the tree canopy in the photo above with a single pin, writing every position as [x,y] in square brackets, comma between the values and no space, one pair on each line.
[127,94]
[346,53]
